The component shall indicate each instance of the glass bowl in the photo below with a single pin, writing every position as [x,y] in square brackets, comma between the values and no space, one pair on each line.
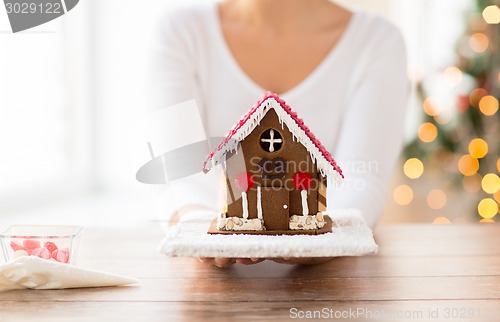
[56,243]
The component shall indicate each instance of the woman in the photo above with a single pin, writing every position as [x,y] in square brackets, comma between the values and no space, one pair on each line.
[343,72]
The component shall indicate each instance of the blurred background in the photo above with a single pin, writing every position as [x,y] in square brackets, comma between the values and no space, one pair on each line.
[73,94]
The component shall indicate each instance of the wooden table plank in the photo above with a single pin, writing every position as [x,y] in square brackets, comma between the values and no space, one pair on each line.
[438,240]
[419,268]
[403,252]
[485,311]
[229,289]
[368,266]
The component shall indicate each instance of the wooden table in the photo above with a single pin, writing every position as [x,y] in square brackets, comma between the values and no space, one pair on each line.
[421,273]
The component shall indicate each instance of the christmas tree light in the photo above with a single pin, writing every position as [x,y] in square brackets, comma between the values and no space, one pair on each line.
[491,14]
[458,138]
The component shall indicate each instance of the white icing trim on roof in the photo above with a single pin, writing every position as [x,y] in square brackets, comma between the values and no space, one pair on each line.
[299,135]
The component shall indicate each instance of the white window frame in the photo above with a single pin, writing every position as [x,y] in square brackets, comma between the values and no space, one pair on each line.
[78,177]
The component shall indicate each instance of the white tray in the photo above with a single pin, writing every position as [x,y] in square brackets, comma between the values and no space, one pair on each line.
[350,236]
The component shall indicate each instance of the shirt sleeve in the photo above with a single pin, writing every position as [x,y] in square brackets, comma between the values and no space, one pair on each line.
[172,79]
[171,73]
[371,135]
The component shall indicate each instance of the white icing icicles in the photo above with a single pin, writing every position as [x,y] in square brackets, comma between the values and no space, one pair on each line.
[305,208]
[285,119]
[259,203]
[244,203]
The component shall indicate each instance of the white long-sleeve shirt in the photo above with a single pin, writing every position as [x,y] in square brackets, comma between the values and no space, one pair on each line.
[354,101]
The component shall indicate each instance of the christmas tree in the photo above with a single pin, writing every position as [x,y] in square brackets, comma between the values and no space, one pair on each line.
[458,146]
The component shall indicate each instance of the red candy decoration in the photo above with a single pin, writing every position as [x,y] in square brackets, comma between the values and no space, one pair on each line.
[30,245]
[244,181]
[302,180]
[50,246]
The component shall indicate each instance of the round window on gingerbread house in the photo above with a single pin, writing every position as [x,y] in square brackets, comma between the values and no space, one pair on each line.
[271,140]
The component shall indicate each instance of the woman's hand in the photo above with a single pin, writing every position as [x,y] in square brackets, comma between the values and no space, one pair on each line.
[222,262]
[302,260]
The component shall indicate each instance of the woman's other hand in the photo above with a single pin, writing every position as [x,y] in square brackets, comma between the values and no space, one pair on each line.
[223,262]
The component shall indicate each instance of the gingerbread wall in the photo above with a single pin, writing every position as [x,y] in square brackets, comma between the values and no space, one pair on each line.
[291,156]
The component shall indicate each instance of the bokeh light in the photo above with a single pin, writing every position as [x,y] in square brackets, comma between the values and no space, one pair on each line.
[498,165]
[488,105]
[413,168]
[486,221]
[490,183]
[478,148]
[479,42]
[476,95]
[491,14]
[487,208]
[403,195]
[452,76]
[468,165]
[436,199]
[443,118]
[427,132]
[431,107]
[472,183]
[441,220]
[496,196]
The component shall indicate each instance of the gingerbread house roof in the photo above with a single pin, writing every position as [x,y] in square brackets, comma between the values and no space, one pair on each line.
[323,159]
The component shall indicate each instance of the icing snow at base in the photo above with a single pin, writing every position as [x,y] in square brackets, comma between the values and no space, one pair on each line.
[350,236]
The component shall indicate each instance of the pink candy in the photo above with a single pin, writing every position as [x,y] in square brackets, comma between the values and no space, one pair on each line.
[49,250]
[41,252]
[16,246]
[61,255]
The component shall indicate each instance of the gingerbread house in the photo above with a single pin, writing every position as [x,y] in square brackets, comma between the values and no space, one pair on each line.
[275,173]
